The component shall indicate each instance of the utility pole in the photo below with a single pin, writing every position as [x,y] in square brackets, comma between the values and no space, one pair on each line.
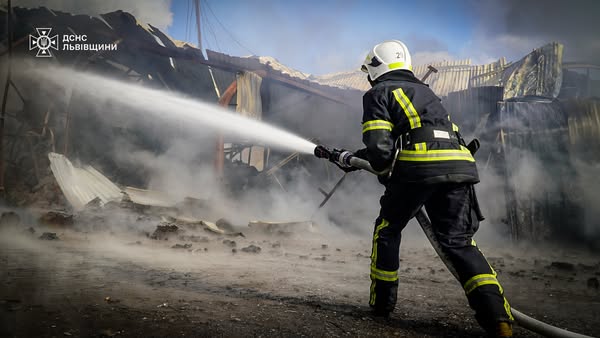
[197,8]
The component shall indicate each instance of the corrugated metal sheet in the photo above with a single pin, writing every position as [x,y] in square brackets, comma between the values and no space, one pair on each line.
[248,101]
[82,185]
[278,66]
[584,127]
[537,74]
[538,174]
[488,75]
[149,197]
[451,76]
[351,80]
[270,68]
[457,75]
[142,49]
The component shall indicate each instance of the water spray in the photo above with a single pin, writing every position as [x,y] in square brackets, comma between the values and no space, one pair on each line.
[185,112]
[529,323]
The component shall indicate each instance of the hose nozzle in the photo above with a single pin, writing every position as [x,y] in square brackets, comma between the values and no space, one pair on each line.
[322,152]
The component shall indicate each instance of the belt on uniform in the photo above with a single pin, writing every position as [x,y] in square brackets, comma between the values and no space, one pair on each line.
[430,134]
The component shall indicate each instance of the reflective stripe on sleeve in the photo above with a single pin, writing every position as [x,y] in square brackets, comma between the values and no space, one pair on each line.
[377,125]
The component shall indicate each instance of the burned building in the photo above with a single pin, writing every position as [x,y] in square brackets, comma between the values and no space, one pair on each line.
[41,120]
[538,110]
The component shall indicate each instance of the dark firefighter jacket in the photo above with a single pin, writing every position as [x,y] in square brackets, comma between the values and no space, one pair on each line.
[399,105]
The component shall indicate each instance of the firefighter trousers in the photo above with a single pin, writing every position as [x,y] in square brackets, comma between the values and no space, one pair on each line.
[451,208]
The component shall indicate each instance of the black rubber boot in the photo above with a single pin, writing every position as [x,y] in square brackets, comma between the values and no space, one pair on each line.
[384,295]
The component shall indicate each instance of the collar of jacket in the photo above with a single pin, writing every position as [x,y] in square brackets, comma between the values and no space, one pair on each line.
[398,75]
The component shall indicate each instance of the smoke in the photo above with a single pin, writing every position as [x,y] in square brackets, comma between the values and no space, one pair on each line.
[130,139]
[155,12]
[513,28]
[588,187]
[176,171]
[427,58]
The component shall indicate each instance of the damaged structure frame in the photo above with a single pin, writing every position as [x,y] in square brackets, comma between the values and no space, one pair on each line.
[554,103]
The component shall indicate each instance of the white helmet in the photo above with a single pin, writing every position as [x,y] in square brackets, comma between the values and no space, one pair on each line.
[385,57]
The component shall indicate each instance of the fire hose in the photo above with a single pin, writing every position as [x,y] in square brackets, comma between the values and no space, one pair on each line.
[522,319]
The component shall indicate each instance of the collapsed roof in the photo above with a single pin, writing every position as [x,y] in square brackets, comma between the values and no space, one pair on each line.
[538,73]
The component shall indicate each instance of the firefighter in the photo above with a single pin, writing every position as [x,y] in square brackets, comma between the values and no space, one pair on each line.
[405,127]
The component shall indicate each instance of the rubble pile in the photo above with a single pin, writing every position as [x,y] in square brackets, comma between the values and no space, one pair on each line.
[164,231]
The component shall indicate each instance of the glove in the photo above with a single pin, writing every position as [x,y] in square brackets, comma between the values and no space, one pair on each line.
[341,158]
[383,179]
[361,153]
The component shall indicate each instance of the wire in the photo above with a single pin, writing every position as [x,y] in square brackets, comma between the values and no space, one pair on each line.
[205,22]
[211,30]
[227,30]
[292,72]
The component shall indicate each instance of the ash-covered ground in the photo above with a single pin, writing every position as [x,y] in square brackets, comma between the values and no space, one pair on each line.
[102,276]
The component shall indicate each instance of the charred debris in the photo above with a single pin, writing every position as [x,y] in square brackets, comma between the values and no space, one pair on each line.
[54,149]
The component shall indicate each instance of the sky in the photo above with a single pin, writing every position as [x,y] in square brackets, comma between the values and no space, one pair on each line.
[322,36]
[327,36]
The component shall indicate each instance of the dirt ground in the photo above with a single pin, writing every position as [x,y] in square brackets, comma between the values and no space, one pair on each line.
[102,283]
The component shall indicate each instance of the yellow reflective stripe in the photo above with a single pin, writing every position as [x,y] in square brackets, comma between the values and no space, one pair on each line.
[372,293]
[436,155]
[381,225]
[476,277]
[376,128]
[421,146]
[484,282]
[475,244]
[454,126]
[409,109]
[386,273]
[377,124]
[506,304]
[397,65]
[378,228]
[479,280]
[507,309]
[388,276]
